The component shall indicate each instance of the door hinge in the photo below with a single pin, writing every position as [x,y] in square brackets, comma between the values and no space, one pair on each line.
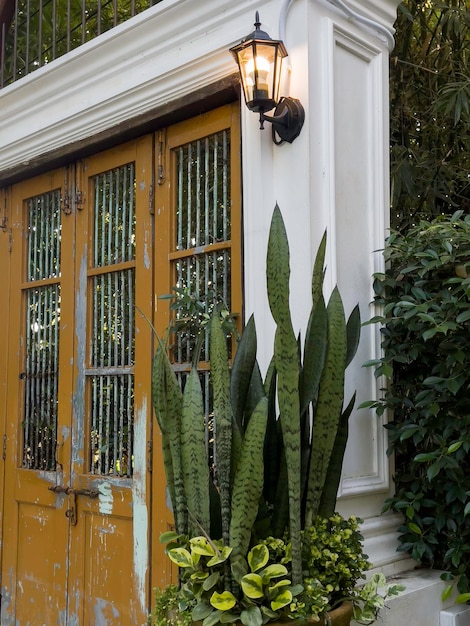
[149,456]
[161,139]
[66,203]
[71,201]
[4,452]
[4,219]
[78,200]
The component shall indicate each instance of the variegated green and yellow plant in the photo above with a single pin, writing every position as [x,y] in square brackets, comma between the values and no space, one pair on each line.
[276,474]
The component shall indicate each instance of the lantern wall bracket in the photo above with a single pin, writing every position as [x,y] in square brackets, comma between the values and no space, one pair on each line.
[287,121]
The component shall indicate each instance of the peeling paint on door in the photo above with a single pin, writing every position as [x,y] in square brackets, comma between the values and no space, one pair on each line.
[105,499]
[140,512]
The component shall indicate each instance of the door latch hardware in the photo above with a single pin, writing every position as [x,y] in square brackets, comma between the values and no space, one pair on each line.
[90,493]
[71,512]
[58,489]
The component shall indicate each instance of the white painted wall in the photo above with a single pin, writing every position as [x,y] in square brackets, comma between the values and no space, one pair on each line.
[334,175]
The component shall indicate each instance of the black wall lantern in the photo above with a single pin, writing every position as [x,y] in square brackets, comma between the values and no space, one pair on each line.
[259,60]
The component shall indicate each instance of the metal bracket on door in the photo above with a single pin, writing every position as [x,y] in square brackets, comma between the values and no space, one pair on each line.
[71,512]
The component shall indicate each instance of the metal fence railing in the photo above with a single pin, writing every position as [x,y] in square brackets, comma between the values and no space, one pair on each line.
[35,32]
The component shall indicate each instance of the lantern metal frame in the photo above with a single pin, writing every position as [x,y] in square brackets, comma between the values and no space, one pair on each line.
[260,97]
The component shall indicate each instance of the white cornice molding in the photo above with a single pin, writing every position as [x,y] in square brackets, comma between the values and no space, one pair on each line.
[160,55]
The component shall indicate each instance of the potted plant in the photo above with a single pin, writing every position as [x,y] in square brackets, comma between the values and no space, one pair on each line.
[257,539]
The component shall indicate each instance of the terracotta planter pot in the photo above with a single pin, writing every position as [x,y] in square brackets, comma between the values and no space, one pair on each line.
[338,617]
[341,616]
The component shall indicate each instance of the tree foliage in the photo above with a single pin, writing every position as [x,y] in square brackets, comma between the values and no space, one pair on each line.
[430,111]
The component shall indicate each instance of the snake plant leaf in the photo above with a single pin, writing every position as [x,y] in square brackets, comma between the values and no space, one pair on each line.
[168,403]
[330,490]
[169,473]
[215,512]
[273,448]
[193,454]
[285,350]
[220,376]
[278,269]
[316,341]
[246,388]
[353,333]
[329,405]
[242,371]
[255,393]
[280,518]
[271,372]
[318,271]
[287,366]
[248,482]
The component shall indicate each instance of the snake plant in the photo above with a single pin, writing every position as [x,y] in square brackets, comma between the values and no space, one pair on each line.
[274,471]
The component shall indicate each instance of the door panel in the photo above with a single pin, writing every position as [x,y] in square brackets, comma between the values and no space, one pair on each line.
[111,425]
[198,250]
[37,537]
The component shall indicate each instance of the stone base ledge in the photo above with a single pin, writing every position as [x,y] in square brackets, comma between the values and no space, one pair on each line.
[420,604]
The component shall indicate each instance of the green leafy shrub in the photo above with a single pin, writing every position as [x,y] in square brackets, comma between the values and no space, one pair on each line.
[332,562]
[425,295]
[333,556]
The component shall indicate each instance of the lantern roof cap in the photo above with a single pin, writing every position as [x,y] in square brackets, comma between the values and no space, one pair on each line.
[257,33]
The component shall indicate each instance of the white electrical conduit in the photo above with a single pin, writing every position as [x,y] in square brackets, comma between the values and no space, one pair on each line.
[382,30]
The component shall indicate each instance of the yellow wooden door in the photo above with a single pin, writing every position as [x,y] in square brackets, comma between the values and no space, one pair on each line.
[77,501]
[87,252]
[34,566]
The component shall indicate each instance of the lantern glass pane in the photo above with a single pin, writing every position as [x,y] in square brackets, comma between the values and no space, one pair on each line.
[257,64]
